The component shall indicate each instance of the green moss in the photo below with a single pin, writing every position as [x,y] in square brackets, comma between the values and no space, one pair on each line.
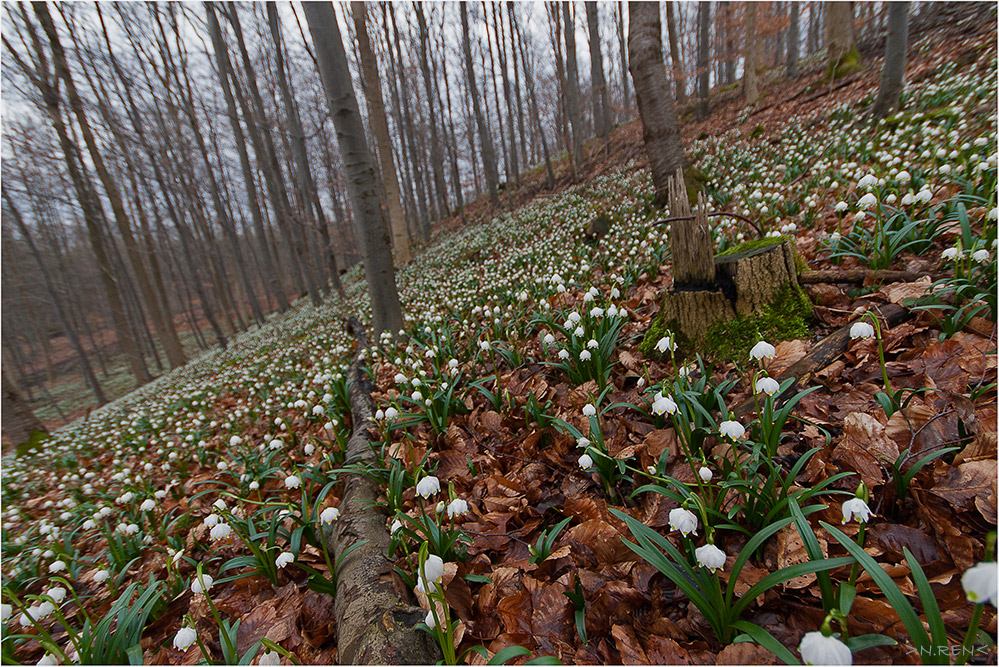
[752,244]
[32,443]
[848,64]
[757,132]
[784,319]
[657,330]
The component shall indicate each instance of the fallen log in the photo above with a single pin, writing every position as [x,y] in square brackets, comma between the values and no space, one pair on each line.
[824,353]
[861,276]
[374,624]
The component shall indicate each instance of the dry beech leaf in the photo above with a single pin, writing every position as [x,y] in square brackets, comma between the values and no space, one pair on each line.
[627,645]
[864,442]
[969,483]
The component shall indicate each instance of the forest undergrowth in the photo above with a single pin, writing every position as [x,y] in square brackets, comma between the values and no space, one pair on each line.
[564,492]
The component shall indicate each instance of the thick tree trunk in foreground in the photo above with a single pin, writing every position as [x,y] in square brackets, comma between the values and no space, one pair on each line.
[655,104]
[373,625]
[379,125]
[358,165]
[19,422]
[893,75]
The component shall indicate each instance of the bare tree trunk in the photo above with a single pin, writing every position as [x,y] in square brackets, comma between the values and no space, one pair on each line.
[678,79]
[792,39]
[893,75]
[488,156]
[164,330]
[385,307]
[453,141]
[842,55]
[598,86]
[516,83]
[655,104]
[74,340]
[572,85]
[703,67]
[555,16]
[750,87]
[529,76]
[379,124]
[437,161]
[624,59]
[19,423]
[508,97]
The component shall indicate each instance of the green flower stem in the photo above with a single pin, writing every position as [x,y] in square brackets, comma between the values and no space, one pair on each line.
[976,616]
[881,358]
[38,626]
[855,570]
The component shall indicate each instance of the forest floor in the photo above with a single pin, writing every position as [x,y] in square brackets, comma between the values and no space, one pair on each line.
[492,395]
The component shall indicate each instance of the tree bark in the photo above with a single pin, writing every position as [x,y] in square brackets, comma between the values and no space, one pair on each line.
[792,39]
[19,422]
[379,125]
[750,87]
[625,92]
[893,74]
[516,83]
[437,161]
[572,85]
[333,69]
[839,36]
[529,76]
[598,87]
[488,155]
[661,132]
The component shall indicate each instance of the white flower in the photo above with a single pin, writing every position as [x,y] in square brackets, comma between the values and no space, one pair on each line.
[861,330]
[184,638]
[585,461]
[563,354]
[710,556]
[817,649]
[592,344]
[235,440]
[432,572]
[147,505]
[58,594]
[908,199]
[396,525]
[293,481]
[856,508]
[101,576]
[767,385]
[430,621]
[309,449]
[842,207]
[202,585]
[220,532]
[762,350]
[428,486]
[867,201]
[585,355]
[47,659]
[663,405]
[57,566]
[484,345]
[903,176]
[5,611]
[979,583]
[666,343]
[212,520]
[732,429]
[254,485]
[549,339]
[283,559]
[457,507]
[270,658]
[329,515]
[589,410]
[981,256]
[683,520]
[868,182]
[949,253]
[705,474]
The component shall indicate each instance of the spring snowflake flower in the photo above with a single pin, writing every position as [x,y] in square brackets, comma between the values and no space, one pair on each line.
[585,462]
[817,649]
[293,481]
[202,585]
[856,509]
[58,594]
[589,410]
[585,355]
[270,658]
[101,576]
[683,520]
[47,659]
[705,474]
[563,354]
[767,385]
[979,583]
[982,256]
[147,505]
[235,440]
[868,201]
[329,515]
[711,557]
[57,566]
[868,182]
[549,339]
[283,559]
[428,486]
[184,638]
[663,405]
[950,253]
[432,572]
[5,612]
[861,330]
[762,350]
[457,507]
[732,429]
[842,207]
[592,344]
[396,525]
[220,532]
[666,343]
[429,620]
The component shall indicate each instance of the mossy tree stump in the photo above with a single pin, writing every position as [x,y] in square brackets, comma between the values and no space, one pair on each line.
[709,291]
